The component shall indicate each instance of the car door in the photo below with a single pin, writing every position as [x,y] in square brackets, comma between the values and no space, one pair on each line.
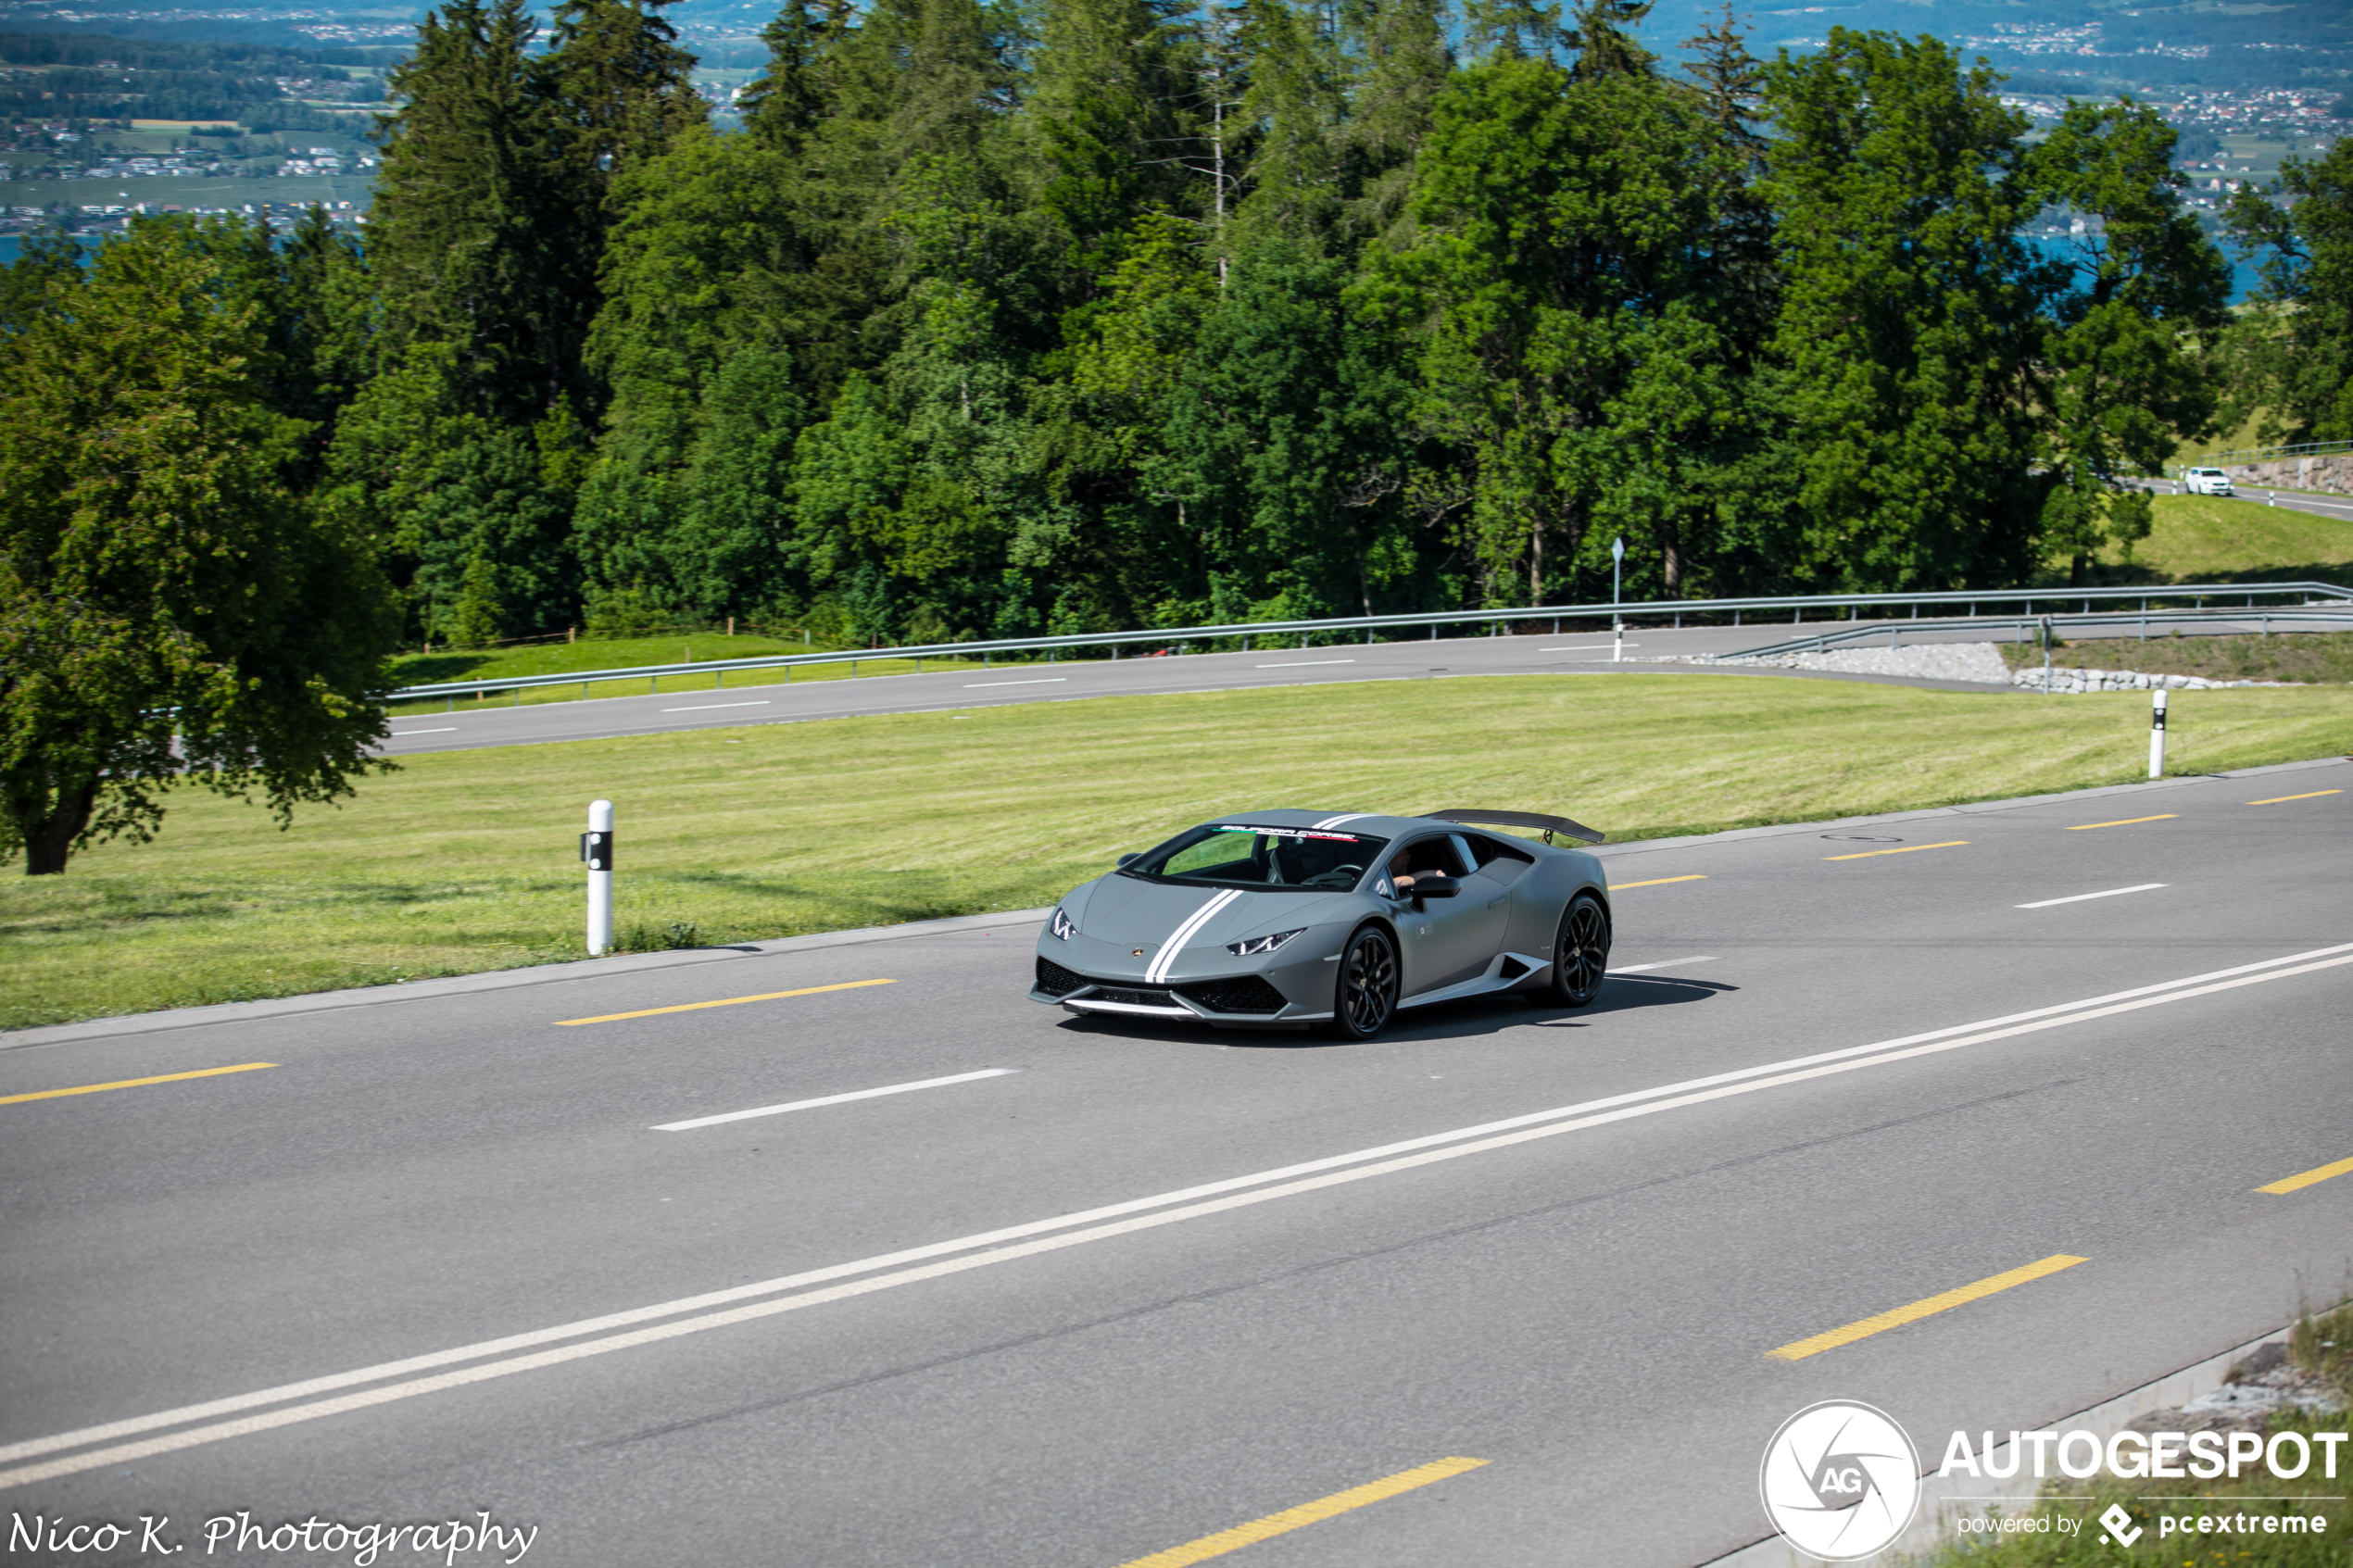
[1447,940]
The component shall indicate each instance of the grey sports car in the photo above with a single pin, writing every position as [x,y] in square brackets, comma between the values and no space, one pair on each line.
[1291,917]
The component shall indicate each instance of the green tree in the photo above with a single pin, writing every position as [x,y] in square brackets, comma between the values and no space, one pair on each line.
[707,267]
[2123,374]
[2295,354]
[170,614]
[476,239]
[1562,249]
[1907,323]
[435,484]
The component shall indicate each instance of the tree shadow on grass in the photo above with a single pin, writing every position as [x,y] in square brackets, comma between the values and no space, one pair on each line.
[427,669]
[2117,574]
[1441,1021]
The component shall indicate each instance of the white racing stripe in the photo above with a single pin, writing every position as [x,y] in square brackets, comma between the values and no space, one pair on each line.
[990,1247]
[1348,817]
[2079,898]
[1157,972]
[829,1099]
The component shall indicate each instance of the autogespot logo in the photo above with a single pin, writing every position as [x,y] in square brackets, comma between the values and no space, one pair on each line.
[1840,1480]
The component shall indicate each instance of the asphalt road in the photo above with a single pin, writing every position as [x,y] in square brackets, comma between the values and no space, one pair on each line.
[1141,1286]
[1586,650]
[2311,501]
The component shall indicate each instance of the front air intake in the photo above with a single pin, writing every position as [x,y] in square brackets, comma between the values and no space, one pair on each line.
[1056,981]
[1247,994]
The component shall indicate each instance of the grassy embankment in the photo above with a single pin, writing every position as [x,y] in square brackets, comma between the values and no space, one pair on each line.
[2209,539]
[2217,539]
[2323,1345]
[465,861]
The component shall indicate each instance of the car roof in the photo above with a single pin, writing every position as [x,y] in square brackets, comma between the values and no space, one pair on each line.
[1373,824]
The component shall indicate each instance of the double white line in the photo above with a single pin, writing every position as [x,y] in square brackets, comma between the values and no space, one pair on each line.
[95,1447]
[1156,972]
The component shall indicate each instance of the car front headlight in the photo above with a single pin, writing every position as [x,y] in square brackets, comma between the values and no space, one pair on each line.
[1258,945]
[1061,926]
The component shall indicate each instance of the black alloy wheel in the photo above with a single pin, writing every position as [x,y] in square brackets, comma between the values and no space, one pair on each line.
[1368,985]
[1581,955]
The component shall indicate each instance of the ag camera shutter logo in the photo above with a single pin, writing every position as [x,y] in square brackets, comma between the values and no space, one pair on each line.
[1840,1480]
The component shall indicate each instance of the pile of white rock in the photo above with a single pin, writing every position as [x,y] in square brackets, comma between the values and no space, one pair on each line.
[1977,662]
[2064,680]
[1930,662]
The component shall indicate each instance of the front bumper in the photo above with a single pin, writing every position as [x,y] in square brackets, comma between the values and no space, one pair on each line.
[1230,1001]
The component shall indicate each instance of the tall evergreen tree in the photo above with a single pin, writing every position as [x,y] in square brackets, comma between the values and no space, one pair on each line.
[475,238]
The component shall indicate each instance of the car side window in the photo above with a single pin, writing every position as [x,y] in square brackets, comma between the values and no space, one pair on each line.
[1499,859]
[1436,853]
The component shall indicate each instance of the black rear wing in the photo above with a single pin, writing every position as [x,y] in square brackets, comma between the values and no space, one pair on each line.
[1550,825]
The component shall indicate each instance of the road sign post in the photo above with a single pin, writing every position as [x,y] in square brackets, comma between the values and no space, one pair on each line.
[1616,623]
[595,848]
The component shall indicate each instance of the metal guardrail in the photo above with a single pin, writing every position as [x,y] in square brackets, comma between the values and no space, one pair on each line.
[2341,616]
[1180,639]
[2261,454]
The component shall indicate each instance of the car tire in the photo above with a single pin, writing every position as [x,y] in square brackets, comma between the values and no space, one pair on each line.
[1580,953]
[1364,994]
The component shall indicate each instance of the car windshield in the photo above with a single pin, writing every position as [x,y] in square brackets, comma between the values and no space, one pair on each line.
[1239,855]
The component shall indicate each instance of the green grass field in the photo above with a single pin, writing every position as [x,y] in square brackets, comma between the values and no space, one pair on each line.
[2283,656]
[465,861]
[2214,539]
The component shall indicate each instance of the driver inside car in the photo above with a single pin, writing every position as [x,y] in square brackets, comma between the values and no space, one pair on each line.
[1425,857]
[1301,861]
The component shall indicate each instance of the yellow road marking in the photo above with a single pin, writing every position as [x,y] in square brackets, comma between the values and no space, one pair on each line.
[723,1002]
[1654,882]
[2309,1178]
[1292,1519]
[1918,1310]
[2124,822]
[1867,854]
[135,1083]
[2313,794]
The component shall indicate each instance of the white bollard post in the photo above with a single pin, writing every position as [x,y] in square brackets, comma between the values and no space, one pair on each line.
[1618,643]
[2156,733]
[596,848]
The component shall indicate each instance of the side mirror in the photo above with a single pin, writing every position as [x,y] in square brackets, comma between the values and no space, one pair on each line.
[1436,888]
[1129,859]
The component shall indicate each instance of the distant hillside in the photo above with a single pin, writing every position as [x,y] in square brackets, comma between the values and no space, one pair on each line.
[2047,46]
[49,76]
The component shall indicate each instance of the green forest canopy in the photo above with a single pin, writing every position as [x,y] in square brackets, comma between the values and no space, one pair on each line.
[1006,319]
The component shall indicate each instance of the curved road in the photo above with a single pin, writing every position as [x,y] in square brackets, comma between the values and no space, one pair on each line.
[468,725]
[635,1254]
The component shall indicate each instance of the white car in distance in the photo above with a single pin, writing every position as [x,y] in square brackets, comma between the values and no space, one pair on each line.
[2206,482]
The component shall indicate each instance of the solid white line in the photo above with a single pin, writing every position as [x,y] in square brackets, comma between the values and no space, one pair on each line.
[1156,971]
[2077,899]
[1671,963]
[1588,648]
[444,730]
[1300,663]
[1041,681]
[707,707]
[1518,1129]
[829,1099]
